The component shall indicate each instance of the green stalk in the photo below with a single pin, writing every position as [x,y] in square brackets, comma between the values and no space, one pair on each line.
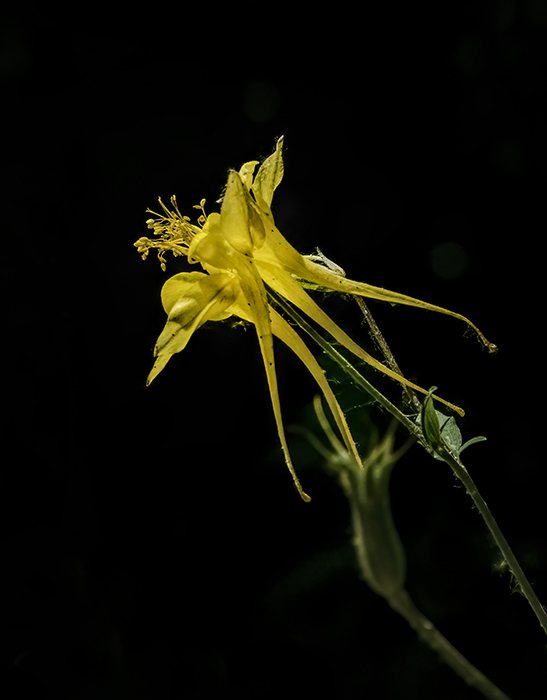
[402,603]
[433,435]
[380,552]
[525,587]
[440,449]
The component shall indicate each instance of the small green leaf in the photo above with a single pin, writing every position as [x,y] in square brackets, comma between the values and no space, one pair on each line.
[450,432]
[442,431]
[431,425]
[479,438]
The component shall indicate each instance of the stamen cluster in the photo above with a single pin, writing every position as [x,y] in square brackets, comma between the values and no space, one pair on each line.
[174,232]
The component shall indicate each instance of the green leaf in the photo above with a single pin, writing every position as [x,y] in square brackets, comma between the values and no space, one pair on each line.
[432,426]
[479,438]
[442,431]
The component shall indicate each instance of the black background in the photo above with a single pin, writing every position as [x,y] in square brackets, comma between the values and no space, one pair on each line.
[152,543]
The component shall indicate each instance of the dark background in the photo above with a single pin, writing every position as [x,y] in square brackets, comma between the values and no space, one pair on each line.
[152,544]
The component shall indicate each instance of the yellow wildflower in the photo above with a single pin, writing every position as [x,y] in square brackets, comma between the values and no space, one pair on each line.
[243,254]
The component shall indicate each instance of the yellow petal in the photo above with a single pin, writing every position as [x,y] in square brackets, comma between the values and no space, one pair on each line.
[283,283]
[246,173]
[178,286]
[277,250]
[192,299]
[288,335]
[256,299]
[269,176]
[326,278]
[234,215]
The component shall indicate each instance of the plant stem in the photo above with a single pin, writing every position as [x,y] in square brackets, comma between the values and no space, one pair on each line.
[452,460]
[526,589]
[402,603]
[463,475]
[378,547]
[384,347]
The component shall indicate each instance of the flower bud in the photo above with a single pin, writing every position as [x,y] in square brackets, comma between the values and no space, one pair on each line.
[379,549]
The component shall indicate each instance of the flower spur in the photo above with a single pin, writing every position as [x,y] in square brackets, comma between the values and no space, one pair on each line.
[243,254]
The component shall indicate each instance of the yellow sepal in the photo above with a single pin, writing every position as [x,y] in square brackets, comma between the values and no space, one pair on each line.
[190,299]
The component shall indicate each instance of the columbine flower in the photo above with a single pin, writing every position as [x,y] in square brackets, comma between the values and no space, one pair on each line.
[243,254]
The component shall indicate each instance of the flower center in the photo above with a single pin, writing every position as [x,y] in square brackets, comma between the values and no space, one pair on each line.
[174,232]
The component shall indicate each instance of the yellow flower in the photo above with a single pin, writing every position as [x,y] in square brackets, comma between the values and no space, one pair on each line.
[243,254]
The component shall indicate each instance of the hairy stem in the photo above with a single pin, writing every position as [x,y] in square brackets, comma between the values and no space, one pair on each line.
[384,347]
[525,587]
